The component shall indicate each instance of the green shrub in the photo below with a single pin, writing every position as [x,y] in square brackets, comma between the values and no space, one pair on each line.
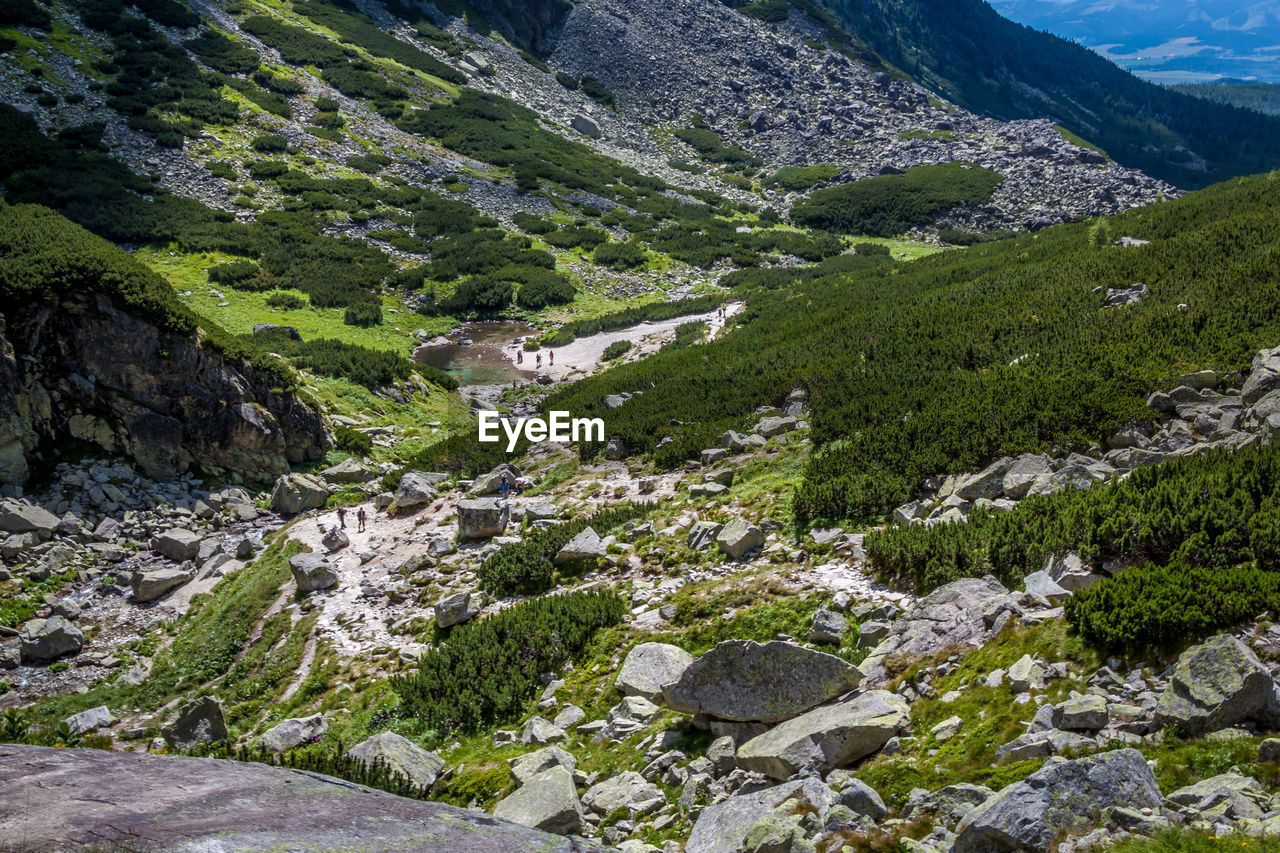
[1160,608]
[269,143]
[363,314]
[617,349]
[479,295]
[889,205]
[238,274]
[484,672]
[544,288]
[569,82]
[1216,509]
[770,11]
[595,90]
[528,566]
[286,300]
[798,178]
[352,441]
[222,54]
[621,256]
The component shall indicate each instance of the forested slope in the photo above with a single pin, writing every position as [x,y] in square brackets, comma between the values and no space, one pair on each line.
[942,364]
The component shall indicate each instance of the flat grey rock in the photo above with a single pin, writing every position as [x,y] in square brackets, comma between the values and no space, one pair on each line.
[71,799]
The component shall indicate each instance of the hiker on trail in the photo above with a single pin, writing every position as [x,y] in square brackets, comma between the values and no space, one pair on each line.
[360,519]
[551,356]
[342,517]
[539,359]
[504,488]
[519,356]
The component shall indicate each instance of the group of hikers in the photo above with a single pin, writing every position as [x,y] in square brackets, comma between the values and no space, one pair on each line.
[551,357]
[361,518]
[518,485]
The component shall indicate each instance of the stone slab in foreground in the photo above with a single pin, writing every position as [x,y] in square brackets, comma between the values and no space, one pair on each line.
[86,799]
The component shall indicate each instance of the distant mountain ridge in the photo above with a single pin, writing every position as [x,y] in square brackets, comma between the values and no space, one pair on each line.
[1209,37]
[965,51]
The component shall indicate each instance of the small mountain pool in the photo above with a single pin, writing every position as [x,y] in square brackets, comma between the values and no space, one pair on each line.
[481,362]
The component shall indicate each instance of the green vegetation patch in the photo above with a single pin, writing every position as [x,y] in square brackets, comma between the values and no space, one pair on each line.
[528,566]
[484,672]
[891,204]
[1203,532]
[46,258]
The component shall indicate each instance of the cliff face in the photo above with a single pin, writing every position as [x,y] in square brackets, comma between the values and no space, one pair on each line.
[534,24]
[82,368]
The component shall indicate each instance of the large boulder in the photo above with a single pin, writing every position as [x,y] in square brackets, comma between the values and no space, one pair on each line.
[529,765]
[90,720]
[416,488]
[401,756]
[987,483]
[738,537]
[312,572]
[627,790]
[488,484]
[22,517]
[1264,376]
[828,627]
[458,608]
[350,470]
[951,615]
[178,544]
[827,737]
[198,722]
[148,586]
[650,668]
[772,425]
[587,545]
[1218,684]
[293,732]
[1023,473]
[48,639]
[295,493]
[547,801]
[723,827]
[742,680]
[483,517]
[1064,796]
[137,801]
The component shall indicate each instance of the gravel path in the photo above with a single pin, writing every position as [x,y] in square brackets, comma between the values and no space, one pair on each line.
[584,355]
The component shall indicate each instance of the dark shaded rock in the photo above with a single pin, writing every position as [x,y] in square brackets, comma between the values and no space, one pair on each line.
[160,397]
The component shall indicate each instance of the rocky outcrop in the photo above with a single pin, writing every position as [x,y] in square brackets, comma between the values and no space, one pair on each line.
[650,668]
[312,572]
[827,737]
[293,732]
[743,680]
[1217,684]
[401,756]
[83,369]
[87,798]
[1030,815]
[950,615]
[547,801]
[197,723]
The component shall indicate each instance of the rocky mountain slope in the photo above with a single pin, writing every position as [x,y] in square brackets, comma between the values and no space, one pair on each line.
[94,354]
[888,544]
